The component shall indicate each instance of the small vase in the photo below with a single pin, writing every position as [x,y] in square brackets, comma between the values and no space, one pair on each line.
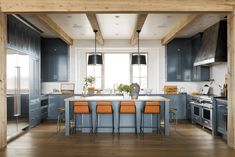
[126,95]
[135,91]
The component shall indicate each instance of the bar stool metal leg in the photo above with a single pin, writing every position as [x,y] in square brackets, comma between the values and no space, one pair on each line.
[113,123]
[91,122]
[119,118]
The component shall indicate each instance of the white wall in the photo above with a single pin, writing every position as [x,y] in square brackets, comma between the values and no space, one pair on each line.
[218,73]
[156,67]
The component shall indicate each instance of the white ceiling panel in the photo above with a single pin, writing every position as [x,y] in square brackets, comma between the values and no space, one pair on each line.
[157,26]
[46,31]
[117,26]
[200,24]
[76,26]
[121,26]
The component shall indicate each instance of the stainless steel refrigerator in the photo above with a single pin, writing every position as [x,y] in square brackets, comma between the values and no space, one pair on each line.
[17,92]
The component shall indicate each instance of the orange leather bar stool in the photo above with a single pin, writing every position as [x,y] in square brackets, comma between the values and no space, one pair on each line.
[82,107]
[150,107]
[104,107]
[127,107]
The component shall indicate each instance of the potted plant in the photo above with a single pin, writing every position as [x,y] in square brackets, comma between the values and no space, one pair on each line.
[89,82]
[125,89]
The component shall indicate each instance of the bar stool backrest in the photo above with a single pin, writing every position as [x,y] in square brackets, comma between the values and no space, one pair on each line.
[152,107]
[127,107]
[104,107]
[81,107]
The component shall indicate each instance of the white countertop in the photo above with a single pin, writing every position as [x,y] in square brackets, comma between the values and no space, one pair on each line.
[116,98]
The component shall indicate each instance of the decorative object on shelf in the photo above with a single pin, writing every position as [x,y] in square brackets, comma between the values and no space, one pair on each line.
[67,88]
[95,58]
[138,58]
[88,86]
[125,89]
[135,90]
[170,89]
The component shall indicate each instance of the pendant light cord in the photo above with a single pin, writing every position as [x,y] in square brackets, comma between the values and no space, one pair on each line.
[138,31]
[95,40]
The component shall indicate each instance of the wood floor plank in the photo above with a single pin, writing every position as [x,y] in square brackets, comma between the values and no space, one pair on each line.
[188,141]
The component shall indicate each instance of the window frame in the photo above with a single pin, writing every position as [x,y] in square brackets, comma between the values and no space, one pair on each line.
[102,67]
[147,64]
[130,66]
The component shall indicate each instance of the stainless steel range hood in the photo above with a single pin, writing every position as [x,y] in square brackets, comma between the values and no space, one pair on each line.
[214,45]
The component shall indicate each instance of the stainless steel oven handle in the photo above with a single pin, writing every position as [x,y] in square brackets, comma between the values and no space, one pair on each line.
[194,103]
[206,122]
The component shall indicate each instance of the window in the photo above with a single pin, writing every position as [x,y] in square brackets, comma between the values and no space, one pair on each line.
[96,71]
[140,74]
[117,69]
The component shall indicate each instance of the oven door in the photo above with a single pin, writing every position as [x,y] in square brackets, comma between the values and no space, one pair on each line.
[207,117]
[196,112]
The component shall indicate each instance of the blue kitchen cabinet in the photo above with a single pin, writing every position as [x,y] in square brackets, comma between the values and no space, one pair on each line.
[22,37]
[34,112]
[178,58]
[221,116]
[188,107]
[199,73]
[55,102]
[178,101]
[54,60]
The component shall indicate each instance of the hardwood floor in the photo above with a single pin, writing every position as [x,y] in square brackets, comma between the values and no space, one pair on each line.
[188,141]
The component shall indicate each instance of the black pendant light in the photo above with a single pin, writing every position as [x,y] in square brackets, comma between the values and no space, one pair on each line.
[138,58]
[95,58]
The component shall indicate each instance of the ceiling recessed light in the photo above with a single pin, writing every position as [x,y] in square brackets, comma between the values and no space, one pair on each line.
[161,26]
[117,16]
[77,26]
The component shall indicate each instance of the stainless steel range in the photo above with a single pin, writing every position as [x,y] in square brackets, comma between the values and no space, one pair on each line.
[202,108]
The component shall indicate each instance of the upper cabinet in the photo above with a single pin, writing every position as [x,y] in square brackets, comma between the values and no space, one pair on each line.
[179,60]
[54,60]
[180,56]
[199,73]
[23,38]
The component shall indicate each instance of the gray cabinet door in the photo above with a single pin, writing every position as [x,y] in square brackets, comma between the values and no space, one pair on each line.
[173,59]
[188,107]
[54,103]
[186,60]
[179,102]
[23,38]
[54,60]
[34,112]
[199,73]
[34,78]
[221,117]
[178,58]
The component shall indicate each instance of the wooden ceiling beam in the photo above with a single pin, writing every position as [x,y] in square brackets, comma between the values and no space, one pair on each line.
[114,6]
[139,24]
[180,26]
[95,26]
[46,20]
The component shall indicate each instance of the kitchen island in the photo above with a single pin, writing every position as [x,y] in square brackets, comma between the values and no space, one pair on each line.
[149,120]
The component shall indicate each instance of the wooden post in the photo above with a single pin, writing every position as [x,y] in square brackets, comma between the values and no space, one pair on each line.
[231,80]
[3,109]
